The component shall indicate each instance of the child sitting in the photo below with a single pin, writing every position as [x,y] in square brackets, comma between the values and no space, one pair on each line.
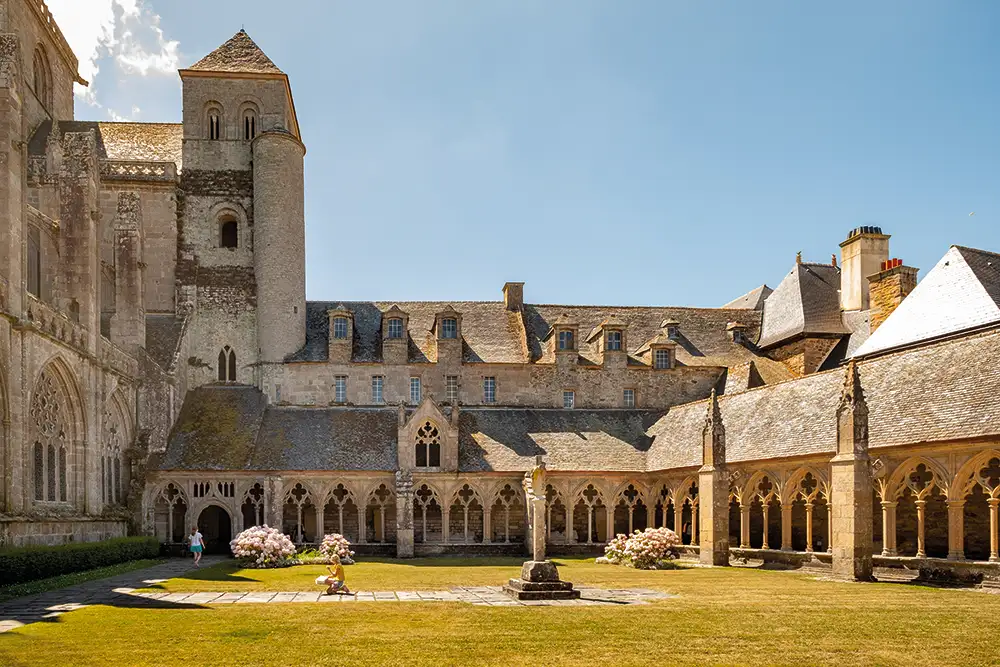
[335,581]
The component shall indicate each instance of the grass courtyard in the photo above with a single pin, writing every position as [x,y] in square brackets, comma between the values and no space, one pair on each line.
[721,616]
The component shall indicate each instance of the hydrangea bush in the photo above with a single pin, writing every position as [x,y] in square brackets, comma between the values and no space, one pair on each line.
[650,549]
[337,544]
[263,547]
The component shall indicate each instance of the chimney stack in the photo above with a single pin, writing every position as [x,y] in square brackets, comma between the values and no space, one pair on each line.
[861,255]
[513,296]
[888,288]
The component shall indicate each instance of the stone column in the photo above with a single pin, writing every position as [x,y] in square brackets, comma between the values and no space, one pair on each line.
[921,512]
[994,536]
[318,514]
[570,533]
[852,484]
[362,525]
[488,525]
[809,526]
[446,524]
[650,516]
[538,536]
[274,502]
[786,527]
[695,526]
[404,514]
[609,515]
[889,527]
[744,526]
[956,530]
[678,516]
[765,511]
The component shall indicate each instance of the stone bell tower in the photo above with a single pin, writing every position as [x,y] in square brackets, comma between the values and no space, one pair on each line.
[241,237]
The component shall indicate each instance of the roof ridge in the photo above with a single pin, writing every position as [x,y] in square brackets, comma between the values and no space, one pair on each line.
[238,54]
[976,250]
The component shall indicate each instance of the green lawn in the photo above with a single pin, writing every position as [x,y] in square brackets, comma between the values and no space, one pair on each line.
[721,616]
[63,580]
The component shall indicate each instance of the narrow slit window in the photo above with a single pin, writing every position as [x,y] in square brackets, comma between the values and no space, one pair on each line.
[249,125]
[229,234]
[227,365]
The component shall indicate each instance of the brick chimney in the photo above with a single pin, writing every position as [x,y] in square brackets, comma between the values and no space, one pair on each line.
[860,256]
[513,296]
[888,288]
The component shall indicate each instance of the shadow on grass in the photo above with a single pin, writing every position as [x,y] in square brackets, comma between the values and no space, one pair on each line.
[53,613]
[224,571]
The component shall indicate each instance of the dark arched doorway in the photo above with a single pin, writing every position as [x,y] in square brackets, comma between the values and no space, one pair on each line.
[214,524]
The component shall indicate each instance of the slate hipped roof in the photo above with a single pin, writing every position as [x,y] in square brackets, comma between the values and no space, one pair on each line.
[240,55]
[752,300]
[806,302]
[961,292]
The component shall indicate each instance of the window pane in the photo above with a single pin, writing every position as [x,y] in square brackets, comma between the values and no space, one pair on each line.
[449,328]
[395,328]
[489,390]
[414,390]
[340,388]
[629,398]
[662,359]
[614,340]
[569,399]
[377,388]
[451,388]
[340,327]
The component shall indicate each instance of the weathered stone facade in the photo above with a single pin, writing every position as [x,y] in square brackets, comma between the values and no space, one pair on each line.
[160,366]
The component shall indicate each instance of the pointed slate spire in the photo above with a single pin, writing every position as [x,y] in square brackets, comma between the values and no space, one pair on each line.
[852,397]
[240,54]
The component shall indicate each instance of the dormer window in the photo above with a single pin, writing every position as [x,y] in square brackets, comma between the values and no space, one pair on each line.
[738,332]
[614,340]
[395,328]
[566,341]
[671,327]
[340,327]
[449,327]
[662,359]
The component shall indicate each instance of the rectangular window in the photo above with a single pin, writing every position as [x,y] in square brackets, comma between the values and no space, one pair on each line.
[569,399]
[661,359]
[277,393]
[565,340]
[34,262]
[628,398]
[340,327]
[414,390]
[377,383]
[340,389]
[489,390]
[451,388]
[449,328]
[614,340]
[395,328]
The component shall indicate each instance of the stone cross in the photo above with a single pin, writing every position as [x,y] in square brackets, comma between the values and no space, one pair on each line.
[534,493]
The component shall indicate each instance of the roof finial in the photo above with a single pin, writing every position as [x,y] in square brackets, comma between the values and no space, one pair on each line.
[798,257]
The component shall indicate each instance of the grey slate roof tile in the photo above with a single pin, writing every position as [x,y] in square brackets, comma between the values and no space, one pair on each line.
[961,292]
[163,333]
[806,302]
[752,300]
[238,54]
[144,142]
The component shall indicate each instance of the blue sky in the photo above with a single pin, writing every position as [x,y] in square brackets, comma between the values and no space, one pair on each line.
[638,152]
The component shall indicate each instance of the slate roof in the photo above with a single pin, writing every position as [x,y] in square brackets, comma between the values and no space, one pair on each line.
[239,54]
[490,332]
[752,300]
[163,333]
[806,302]
[216,430]
[507,440]
[326,439]
[935,393]
[145,142]
[961,292]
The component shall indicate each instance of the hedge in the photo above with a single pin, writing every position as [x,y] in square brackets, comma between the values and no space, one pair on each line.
[22,564]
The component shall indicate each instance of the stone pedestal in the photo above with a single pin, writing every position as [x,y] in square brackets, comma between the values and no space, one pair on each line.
[540,581]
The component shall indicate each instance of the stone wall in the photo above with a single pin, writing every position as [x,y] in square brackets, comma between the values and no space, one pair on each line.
[23,533]
[805,355]
[888,289]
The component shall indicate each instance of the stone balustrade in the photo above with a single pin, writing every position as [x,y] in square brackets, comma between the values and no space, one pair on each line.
[136,170]
[47,319]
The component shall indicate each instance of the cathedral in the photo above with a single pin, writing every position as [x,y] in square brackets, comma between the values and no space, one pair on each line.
[161,368]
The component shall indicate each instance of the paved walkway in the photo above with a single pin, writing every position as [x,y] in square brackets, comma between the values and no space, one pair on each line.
[109,591]
[120,591]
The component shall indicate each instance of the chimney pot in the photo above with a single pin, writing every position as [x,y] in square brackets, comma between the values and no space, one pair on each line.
[513,296]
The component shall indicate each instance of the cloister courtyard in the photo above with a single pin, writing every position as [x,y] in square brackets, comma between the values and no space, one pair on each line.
[442,611]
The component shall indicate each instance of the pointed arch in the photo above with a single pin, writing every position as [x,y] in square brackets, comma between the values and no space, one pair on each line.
[227,364]
[42,77]
[55,428]
[793,487]
[902,478]
[116,439]
[970,475]
[427,445]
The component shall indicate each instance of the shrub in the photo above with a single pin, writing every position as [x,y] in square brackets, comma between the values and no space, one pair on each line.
[650,549]
[263,547]
[335,543]
[30,563]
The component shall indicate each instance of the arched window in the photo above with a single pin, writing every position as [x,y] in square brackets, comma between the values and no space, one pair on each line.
[50,431]
[227,365]
[213,120]
[42,80]
[229,233]
[249,124]
[428,446]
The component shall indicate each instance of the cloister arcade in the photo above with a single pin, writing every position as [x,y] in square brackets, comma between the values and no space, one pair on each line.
[919,510]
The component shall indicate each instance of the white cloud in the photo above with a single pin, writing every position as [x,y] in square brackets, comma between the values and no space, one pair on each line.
[121,35]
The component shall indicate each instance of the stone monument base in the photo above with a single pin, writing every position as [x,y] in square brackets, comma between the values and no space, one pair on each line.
[540,581]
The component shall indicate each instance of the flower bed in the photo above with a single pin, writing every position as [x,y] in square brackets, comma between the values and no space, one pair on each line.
[337,544]
[651,549]
[262,547]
